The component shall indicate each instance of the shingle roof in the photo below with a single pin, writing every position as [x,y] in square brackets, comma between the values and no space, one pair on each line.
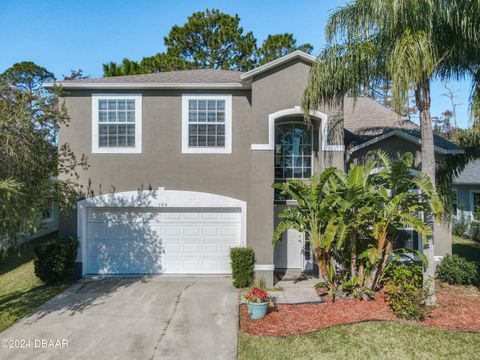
[183,79]
[366,119]
[469,175]
[182,76]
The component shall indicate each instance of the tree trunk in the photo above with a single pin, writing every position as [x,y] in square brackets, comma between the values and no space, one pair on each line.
[422,98]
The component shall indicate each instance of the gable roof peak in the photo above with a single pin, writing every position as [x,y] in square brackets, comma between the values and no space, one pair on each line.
[297,54]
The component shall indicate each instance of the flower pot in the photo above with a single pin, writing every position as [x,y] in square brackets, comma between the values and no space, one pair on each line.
[257,311]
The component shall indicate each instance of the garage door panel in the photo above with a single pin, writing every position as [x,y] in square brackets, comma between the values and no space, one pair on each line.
[210,230]
[192,230]
[157,241]
[229,230]
[97,231]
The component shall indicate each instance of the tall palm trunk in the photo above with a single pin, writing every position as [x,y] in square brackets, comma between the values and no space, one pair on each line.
[422,98]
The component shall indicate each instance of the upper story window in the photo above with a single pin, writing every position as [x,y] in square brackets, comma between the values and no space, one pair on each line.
[206,124]
[116,123]
[293,151]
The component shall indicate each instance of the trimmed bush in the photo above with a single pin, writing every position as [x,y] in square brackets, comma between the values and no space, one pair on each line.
[455,270]
[406,295]
[242,262]
[54,261]
[475,231]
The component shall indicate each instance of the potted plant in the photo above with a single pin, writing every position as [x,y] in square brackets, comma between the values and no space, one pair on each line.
[258,301]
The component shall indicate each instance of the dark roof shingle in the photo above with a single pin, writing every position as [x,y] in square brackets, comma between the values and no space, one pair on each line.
[367,119]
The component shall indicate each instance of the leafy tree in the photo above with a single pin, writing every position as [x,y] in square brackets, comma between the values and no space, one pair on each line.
[278,45]
[164,62]
[352,219]
[28,77]
[209,39]
[212,39]
[30,160]
[407,44]
[128,67]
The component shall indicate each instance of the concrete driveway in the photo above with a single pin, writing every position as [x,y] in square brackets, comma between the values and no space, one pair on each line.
[155,317]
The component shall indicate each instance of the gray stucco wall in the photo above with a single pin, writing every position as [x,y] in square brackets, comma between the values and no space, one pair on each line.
[274,90]
[161,163]
[245,174]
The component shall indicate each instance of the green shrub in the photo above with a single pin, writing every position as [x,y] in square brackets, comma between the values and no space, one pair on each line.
[475,231]
[406,295]
[242,262]
[54,261]
[456,270]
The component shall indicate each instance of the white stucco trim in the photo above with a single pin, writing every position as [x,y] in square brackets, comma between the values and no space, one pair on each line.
[274,63]
[227,149]
[296,111]
[405,136]
[96,149]
[264,267]
[159,198]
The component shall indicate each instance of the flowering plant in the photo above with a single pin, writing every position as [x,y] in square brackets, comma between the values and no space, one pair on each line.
[257,296]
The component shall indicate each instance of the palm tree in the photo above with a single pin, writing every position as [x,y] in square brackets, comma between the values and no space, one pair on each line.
[404,43]
[352,219]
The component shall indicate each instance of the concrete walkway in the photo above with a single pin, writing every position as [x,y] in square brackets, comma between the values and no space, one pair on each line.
[297,291]
[294,290]
[155,317]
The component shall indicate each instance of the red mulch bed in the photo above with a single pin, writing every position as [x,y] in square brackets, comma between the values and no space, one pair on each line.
[457,309]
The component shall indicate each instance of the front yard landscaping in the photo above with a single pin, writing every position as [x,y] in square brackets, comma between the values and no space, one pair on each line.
[368,340]
[21,292]
[357,329]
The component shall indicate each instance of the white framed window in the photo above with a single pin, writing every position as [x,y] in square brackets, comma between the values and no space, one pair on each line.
[207,124]
[293,151]
[475,204]
[455,203]
[116,123]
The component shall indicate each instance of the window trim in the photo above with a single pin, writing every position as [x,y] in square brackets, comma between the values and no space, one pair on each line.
[472,204]
[455,191]
[311,155]
[227,149]
[96,149]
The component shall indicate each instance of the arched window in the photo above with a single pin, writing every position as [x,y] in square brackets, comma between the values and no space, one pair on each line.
[293,151]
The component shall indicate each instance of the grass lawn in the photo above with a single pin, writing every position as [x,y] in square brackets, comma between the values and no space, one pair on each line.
[369,340]
[21,292]
[466,248]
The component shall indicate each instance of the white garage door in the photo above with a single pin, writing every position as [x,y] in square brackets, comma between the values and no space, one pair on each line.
[165,240]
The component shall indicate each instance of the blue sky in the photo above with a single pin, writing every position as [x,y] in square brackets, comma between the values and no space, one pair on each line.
[68,34]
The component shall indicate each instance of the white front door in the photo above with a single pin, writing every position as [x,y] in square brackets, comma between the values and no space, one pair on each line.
[288,251]
[294,249]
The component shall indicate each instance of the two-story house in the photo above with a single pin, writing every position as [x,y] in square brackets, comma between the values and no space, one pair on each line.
[182,163]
